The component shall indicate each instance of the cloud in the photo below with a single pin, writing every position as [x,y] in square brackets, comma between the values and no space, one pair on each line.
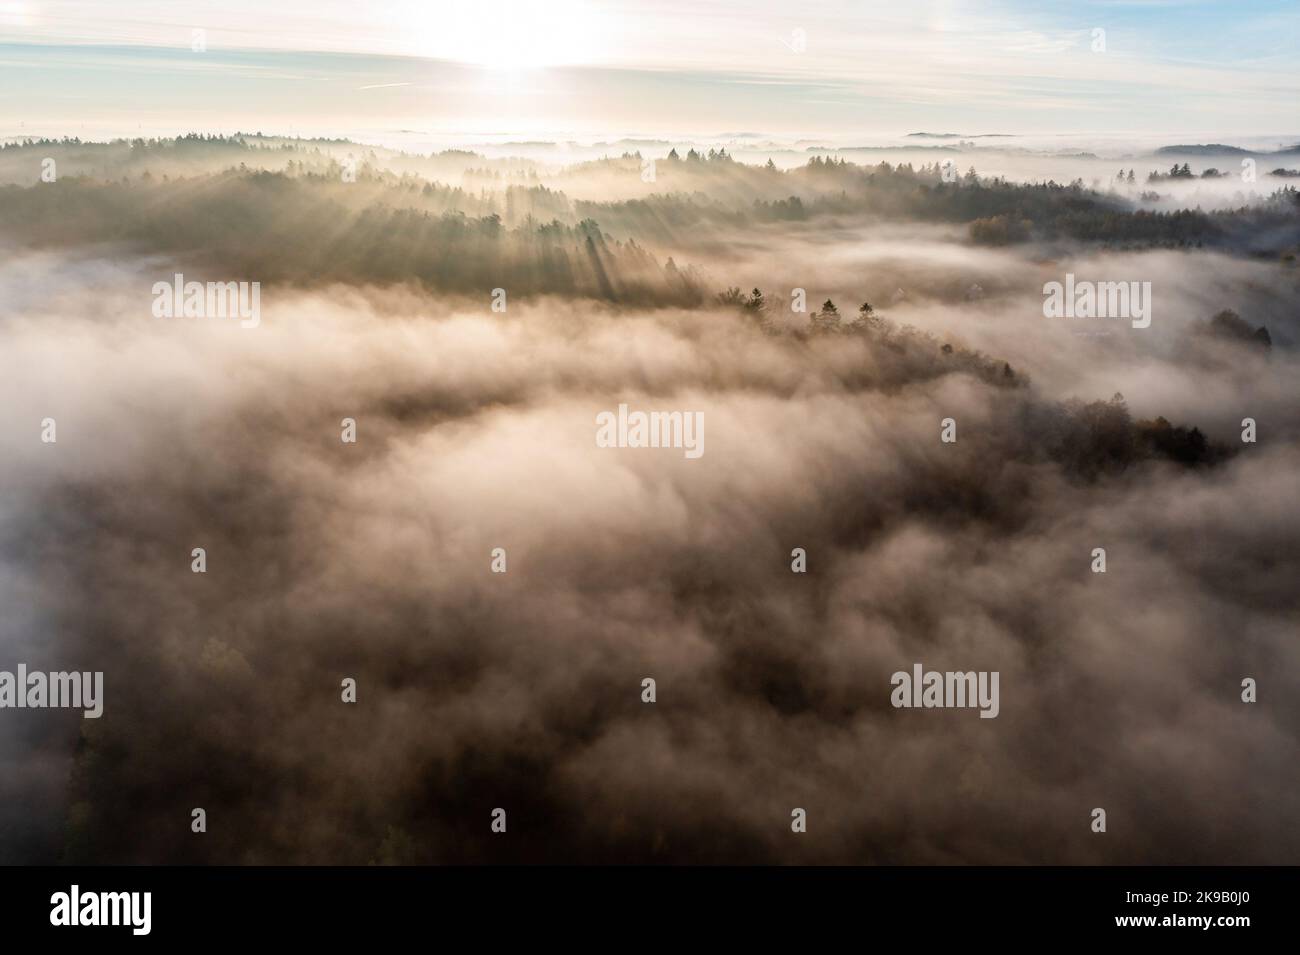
[478,690]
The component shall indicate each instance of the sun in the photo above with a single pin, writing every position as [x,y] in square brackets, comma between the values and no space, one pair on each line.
[15,13]
[511,35]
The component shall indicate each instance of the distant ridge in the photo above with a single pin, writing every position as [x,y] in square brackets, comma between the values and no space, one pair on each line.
[1219,149]
[959,136]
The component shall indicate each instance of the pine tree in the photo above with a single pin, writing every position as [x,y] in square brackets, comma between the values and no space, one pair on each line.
[828,319]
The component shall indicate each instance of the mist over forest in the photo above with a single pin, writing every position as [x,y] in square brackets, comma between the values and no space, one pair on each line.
[825,309]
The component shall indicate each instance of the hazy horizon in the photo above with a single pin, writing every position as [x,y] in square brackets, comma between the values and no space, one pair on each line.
[653,68]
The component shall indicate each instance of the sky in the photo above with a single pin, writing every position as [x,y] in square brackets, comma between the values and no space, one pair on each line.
[630,67]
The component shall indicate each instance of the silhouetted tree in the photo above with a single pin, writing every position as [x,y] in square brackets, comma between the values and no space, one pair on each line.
[828,319]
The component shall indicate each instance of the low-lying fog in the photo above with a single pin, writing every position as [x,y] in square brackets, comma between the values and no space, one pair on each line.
[523,690]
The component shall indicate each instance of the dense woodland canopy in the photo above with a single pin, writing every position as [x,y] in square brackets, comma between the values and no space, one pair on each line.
[291,209]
